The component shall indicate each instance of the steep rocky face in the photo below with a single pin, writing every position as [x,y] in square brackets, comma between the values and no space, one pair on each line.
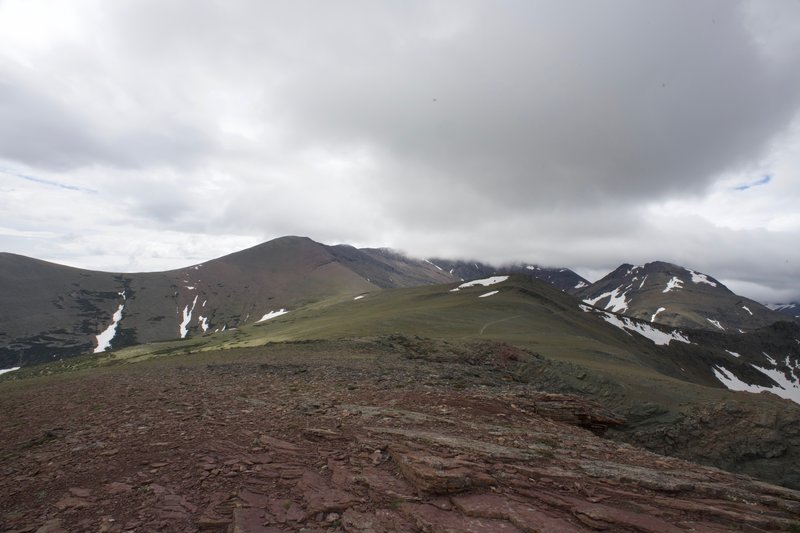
[561,278]
[669,294]
[744,435]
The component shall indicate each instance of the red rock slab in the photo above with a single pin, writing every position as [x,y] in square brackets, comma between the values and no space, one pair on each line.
[431,474]
[598,516]
[51,526]
[250,520]
[71,502]
[253,499]
[279,445]
[384,484]
[284,510]
[320,497]
[380,521]
[526,517]
[116,487]
[435,520]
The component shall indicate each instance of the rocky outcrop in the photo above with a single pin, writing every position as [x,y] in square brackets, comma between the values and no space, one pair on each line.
[289,438]
[749,435]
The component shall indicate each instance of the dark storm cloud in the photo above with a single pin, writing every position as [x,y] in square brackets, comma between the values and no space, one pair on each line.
[568,102]
[510,130]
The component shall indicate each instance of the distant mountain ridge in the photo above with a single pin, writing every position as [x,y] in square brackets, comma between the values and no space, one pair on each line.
[676,296]
[561,278]
[791,309]
[50,311]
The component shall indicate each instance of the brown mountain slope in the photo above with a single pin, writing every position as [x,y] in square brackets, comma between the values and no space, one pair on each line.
[49,311]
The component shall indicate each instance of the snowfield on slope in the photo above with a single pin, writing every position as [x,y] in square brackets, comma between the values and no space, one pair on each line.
[187,317]
[626,324]
[697,277]
[272,314]
[673,284]
[784,387]
[484,282]
[656,335]
[616,301]
[659,310]
[105,337]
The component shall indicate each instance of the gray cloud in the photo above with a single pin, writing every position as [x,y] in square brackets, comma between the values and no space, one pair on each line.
[537,131]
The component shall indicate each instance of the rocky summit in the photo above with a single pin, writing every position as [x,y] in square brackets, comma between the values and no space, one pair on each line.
[669,294]
[354,436]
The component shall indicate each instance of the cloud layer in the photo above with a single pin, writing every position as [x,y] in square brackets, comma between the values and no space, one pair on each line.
[140,135]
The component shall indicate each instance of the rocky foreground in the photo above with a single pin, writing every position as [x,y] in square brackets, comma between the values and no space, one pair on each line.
[350,436]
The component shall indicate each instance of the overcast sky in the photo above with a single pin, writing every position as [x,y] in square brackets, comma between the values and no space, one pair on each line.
[146,135]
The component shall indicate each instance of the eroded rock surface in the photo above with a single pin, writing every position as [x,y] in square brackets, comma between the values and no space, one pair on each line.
[285,438]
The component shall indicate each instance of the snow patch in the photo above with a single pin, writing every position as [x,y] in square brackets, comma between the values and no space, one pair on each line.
[190,287]
[273,314]
[643,280]
[203,320]
[616,302]
[581,284]
[437,266]
[659,310]
[488,294]
[746,309]
[716,323]
[656,335]
[674,283]
[697,277]
[4,370]
[105,337]
[735,354]
[585,308]
[772,361]
[359,296]
[784,387]
[187,317]
[731,382]
[484,282]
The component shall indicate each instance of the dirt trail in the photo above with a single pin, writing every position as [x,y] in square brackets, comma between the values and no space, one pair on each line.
[496,322]
[340,437]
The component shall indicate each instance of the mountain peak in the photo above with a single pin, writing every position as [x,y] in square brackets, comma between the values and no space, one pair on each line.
[670,294]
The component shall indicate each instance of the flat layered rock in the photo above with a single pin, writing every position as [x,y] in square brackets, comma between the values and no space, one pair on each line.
[343,445]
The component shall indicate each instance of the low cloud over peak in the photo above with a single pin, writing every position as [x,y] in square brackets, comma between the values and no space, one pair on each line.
[561,133]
